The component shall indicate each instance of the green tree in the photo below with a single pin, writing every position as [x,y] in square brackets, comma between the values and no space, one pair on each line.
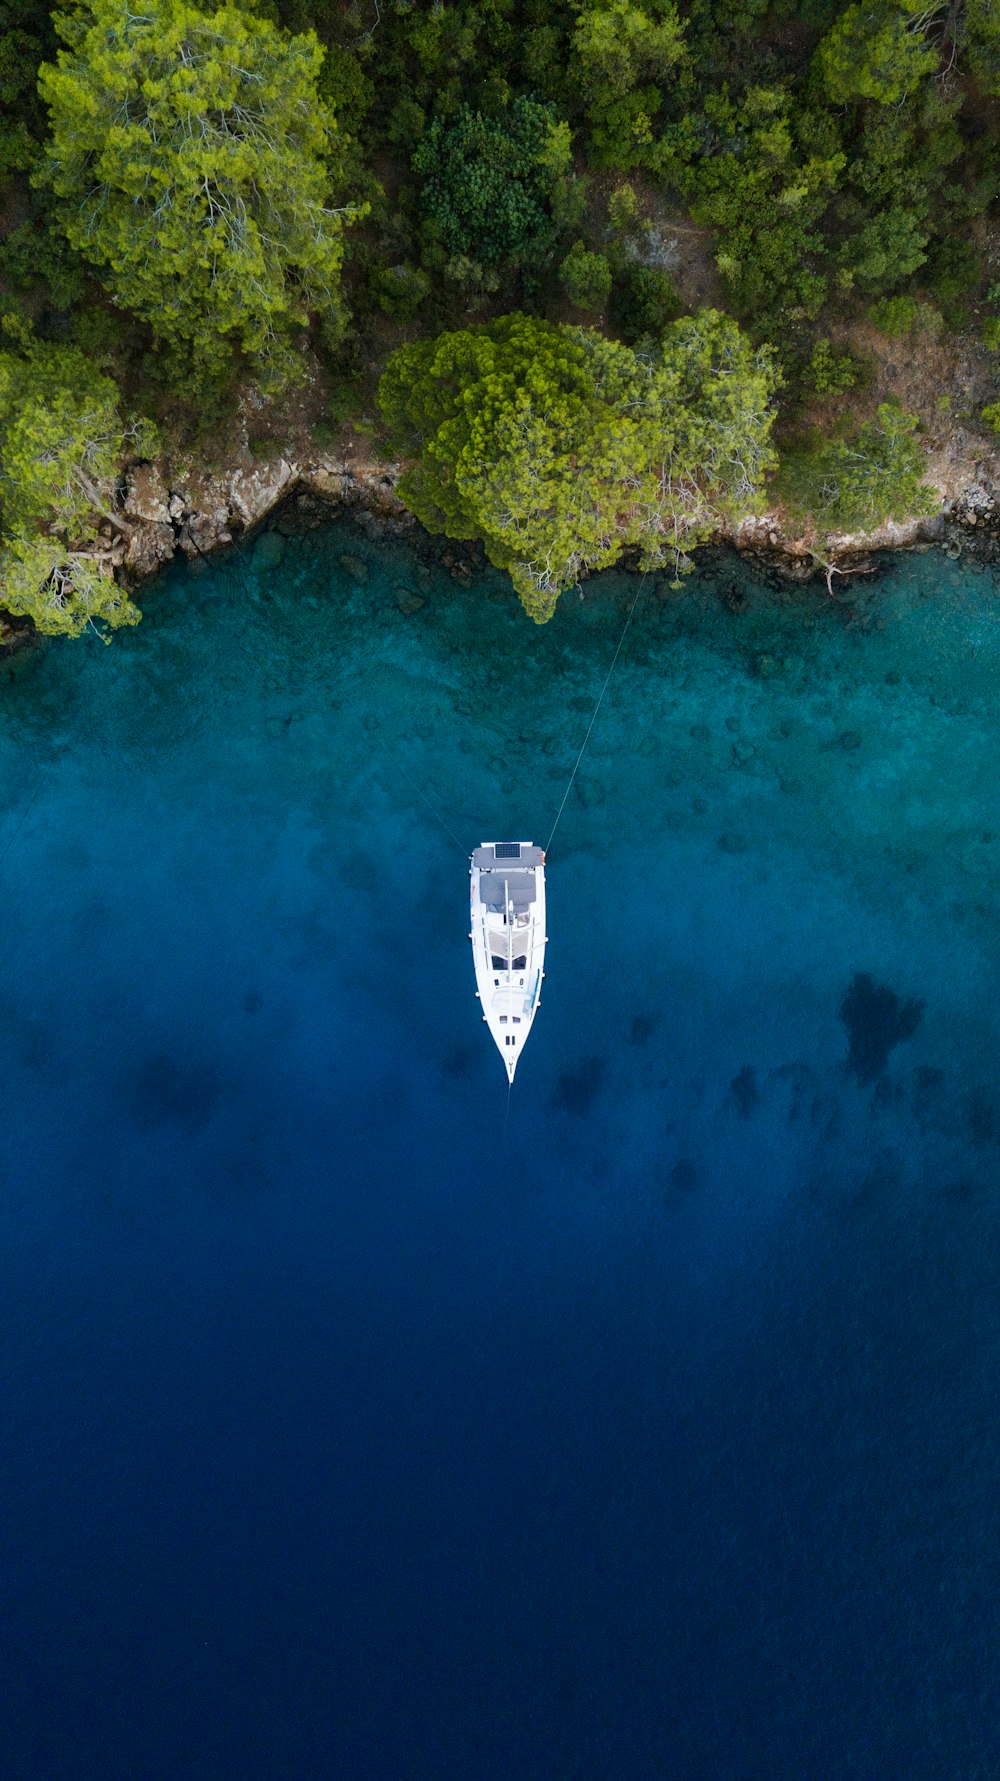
[982,36]
[61,444]
[764,187]
[194,160]
[25,37]
[643,299]
[896,317]
[830,373]
[620,51]
[586,278]
[887,249]
[849,485]
[901,192]
[488,183]
[876,52]
[559,448]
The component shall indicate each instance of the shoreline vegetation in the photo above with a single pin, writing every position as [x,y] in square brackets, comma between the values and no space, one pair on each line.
[580,282]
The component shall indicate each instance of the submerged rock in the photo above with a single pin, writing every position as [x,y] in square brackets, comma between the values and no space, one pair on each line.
[268,552]
[576,1090]
[877,1020]
[684,1175]
[355,567]
[744,1092]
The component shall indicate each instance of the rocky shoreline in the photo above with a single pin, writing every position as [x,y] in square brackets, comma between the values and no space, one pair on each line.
[200,511]
[195,511]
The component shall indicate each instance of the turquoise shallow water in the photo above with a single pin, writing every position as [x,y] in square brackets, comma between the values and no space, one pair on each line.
[342,1436]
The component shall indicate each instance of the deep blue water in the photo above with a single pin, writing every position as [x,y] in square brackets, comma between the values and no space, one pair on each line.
[341,1438]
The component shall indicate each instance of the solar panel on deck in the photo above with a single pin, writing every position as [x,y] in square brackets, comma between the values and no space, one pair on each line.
[507,850]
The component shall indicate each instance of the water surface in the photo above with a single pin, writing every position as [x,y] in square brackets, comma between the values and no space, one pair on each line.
[342,1437]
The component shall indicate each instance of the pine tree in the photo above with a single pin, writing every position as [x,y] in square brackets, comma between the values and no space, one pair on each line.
[194,160]
[61,443]
[559,448]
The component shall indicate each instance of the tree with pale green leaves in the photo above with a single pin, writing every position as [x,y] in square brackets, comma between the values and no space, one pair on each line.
[621,53]
[586,278]
[877,51]
[618,44]
[195,162]
[855,484]
[559,448]
[61,443]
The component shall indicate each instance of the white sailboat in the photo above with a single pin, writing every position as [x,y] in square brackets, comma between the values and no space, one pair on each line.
[508,940]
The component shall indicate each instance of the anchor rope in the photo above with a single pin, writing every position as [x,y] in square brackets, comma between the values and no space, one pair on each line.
[597,707]
[583,747]
[435,813]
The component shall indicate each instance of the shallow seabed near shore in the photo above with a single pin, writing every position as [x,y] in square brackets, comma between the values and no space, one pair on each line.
[344,1436]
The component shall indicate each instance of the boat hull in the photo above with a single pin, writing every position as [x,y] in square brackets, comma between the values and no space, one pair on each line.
[507,901]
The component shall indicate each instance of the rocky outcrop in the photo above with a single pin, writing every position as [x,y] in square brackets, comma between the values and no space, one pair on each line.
[146,496]
[195,509]
[801,558]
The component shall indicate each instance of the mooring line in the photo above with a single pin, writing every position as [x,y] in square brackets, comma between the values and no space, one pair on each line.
[435,813]
[597,708]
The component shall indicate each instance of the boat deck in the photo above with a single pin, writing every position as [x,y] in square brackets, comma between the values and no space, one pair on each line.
[507,878]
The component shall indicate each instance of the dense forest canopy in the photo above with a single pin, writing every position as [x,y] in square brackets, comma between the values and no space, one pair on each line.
[558,194]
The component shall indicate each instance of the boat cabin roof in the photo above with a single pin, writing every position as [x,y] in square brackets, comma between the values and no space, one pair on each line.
[507,856]
[514,867]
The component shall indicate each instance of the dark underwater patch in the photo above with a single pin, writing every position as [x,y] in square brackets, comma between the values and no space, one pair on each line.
[685,1175]
[359,872]
[961,1193]
[24,1041]
[642,1026]
[888,1093]
[166,1093]
[576,1090]
[744,1091]
[884,1175]
[804,1099]
[458,1062]
[984,1117]
[877,1020]
[253,1002]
